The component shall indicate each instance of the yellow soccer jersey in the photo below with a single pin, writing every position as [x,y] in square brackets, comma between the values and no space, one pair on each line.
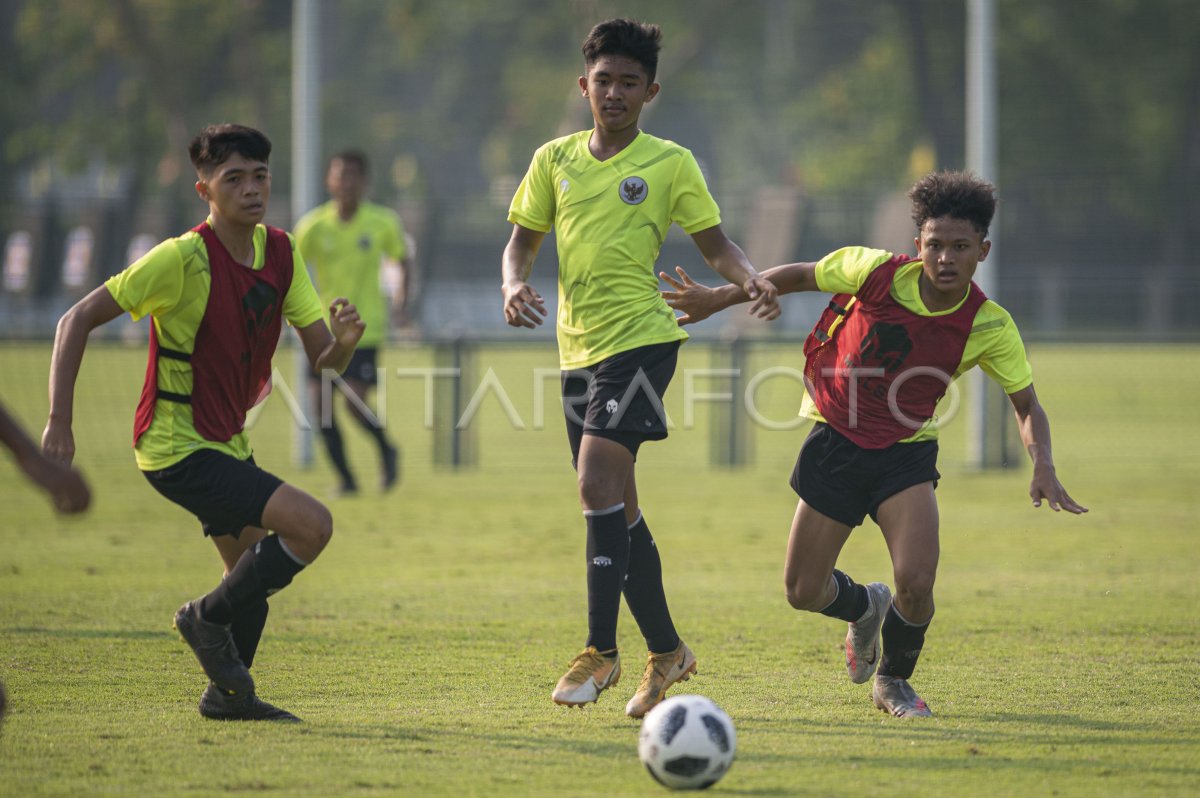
[346,257]
[170,283]
[610,218]
[994,343]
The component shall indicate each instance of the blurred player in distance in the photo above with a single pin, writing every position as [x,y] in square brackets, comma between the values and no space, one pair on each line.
[897,332]
[612,193]
[217,296]
[346,241]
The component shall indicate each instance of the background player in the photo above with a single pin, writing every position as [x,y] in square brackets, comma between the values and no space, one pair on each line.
[217,295]
[896,333]
[345,241]
[612,192]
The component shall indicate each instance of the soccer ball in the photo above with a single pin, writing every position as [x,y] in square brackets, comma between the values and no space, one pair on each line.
[687,742]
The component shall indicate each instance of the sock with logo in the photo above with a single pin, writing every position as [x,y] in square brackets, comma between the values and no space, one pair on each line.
[851,600]
[247,629]
[607,561]
[332,436]
[902,643]
[265,568]
[644,590]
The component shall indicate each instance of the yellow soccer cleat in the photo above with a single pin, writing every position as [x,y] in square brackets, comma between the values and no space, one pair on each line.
[662,671]
[591,673]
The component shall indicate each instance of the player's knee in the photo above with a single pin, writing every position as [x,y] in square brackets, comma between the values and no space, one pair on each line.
[803,594]
[319,529]
[914,586]
[597,491]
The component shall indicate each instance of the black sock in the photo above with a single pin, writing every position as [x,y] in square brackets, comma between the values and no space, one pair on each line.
[851,601]
[644,591]
[607,561]
[337,452]
[265,568]
[247,629]
[902,643]
[375,430]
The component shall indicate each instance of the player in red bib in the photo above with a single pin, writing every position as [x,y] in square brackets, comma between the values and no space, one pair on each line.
[896,333]
[217,296]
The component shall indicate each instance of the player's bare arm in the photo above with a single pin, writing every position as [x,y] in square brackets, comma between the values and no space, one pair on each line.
[523,305]
[698,302]
[64,484]
[1034,426]
[331,347]
[70,339]
[727,259]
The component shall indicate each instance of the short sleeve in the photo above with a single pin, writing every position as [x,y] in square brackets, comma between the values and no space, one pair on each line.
[844,271]
[533,204]
[1003,355]
[301,305]
[393,239]
[304,234]
[152,285]
[692,206]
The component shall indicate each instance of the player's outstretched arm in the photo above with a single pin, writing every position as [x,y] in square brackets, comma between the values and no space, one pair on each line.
[698,302]
[523,305]
[332,347]
[64,484]
[1035,434]
[727,259]
[70,339]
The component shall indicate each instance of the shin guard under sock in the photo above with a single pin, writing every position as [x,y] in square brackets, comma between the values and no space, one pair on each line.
[644,592]
[264,569]
[851,601]
[607,560]
[902,643]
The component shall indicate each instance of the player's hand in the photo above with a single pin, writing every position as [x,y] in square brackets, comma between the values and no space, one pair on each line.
[344,323]
[522,305]
[1046,486]
[764,295]
[58,442]
[695,301]
[65,485]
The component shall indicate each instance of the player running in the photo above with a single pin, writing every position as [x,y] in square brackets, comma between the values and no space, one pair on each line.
[217,296]
[897,332]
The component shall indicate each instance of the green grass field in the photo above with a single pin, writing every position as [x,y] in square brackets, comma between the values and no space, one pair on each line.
[422,647]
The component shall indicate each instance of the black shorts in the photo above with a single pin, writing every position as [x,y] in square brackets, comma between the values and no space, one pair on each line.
[620,398]
[839,478]
[362,367]
[225,493]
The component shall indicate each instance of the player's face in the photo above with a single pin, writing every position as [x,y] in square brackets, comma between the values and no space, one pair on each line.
[616,88]
[346,182]
[950,249]
[238,190]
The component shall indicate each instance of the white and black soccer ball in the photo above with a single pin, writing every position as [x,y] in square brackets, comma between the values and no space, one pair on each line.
[687,742]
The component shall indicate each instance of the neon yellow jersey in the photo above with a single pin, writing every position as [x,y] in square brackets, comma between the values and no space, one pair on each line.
[346,257]
[610,218]
[994,343]
[170,283]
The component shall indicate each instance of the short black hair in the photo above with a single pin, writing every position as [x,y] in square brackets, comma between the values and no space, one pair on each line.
[356,157]
[215,144]
[626,37]
[958,195]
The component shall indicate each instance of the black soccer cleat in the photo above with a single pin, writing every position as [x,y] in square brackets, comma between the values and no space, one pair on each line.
[213,645]
[217,704]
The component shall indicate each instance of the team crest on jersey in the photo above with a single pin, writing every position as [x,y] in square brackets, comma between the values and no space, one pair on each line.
[633,190]
[364,243]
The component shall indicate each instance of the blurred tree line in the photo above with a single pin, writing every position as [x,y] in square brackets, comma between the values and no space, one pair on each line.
[1099,99]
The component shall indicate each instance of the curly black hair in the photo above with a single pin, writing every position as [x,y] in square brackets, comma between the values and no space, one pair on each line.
[215,144]
[625,37]
[958,195]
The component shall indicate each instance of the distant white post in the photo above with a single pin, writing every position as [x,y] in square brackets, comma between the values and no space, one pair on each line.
[986,436]
[306,148]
